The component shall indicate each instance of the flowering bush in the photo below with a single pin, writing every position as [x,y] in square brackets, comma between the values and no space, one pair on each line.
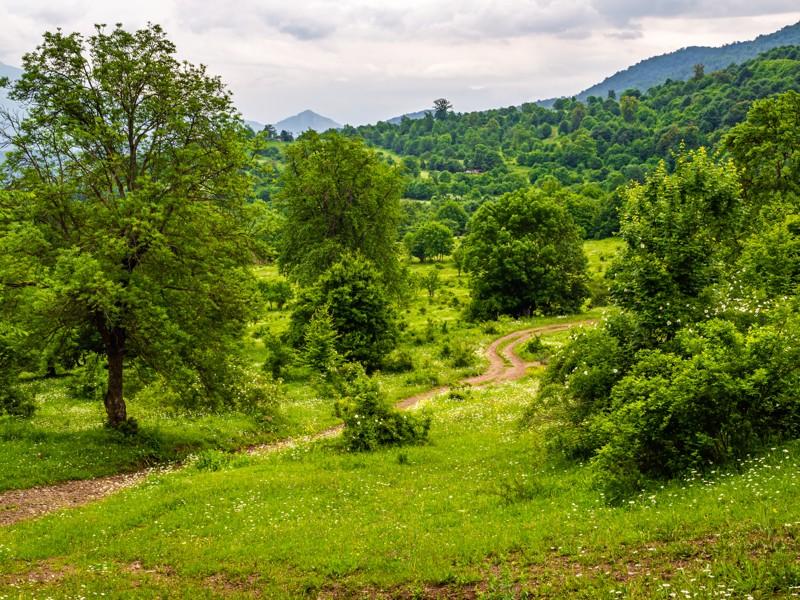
[371,422]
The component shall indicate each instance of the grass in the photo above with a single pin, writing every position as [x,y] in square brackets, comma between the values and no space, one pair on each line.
[66,438]
[601,253]
[481,510]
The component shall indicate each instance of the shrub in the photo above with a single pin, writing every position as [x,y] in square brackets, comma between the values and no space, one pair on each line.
[399,361]
[537,349]
[459,353]
[15,400]
[714,394]
[278,355]
[371,422]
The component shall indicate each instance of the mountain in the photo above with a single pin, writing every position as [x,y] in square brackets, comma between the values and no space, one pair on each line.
[254,125]
[679,65]
[416,115]
[304,121]
[12,73]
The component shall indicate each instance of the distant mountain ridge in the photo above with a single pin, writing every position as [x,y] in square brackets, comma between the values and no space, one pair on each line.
[415,115]
[304,121]
[12,73]
[679,65]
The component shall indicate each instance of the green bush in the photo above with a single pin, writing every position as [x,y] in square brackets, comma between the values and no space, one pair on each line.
[370,422]
[713,395]
[399,361]
[15,400]
[458,353]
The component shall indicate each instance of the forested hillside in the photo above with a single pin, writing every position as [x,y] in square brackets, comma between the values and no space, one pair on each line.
[681,63]
[580,152]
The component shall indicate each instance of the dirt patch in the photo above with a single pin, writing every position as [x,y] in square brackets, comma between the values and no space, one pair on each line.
[18,505]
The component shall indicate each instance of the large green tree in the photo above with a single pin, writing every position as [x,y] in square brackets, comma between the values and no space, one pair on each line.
[680,229]
[123,220]
[767,148]
[524,255]
[338,198]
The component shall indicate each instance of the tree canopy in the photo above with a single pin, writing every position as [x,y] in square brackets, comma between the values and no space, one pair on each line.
[350,295]
[122,230]
[701,367]
[524,255]
[338,198]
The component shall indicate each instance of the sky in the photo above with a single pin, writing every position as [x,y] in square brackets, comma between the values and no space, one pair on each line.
[361,61]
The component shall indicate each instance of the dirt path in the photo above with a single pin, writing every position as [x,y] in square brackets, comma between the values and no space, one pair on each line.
[19,505]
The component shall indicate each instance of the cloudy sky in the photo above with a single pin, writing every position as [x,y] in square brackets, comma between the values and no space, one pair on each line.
[360,61]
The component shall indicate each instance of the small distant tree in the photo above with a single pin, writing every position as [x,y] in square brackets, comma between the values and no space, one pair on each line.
[441,108]
[431,282]
[451,211]
[286,136]
[458,258]
[269,132]
[431,239]
[277,292]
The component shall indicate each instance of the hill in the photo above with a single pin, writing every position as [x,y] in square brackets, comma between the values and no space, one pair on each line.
[306,120]
[679,65]
[420,114]
[588,149]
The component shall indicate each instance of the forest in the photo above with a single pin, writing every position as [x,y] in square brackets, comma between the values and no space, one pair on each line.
[526,352]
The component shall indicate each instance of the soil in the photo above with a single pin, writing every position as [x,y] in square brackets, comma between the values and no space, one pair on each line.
[20,505]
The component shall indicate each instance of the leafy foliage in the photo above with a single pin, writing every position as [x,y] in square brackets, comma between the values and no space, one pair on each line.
[702,367]
[277,292]
[590,146]
[524,255]
[679,230]
[429,240]
[126,214]
[338,198]
[361,315]
[370,422]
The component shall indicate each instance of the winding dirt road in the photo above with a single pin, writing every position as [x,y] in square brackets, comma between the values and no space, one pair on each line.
[19,505]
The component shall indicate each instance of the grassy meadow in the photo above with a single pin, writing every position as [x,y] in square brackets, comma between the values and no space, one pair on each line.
[66,438]
[479,512]
[482,511]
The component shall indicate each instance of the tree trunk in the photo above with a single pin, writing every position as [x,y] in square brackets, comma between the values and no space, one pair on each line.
[114,341]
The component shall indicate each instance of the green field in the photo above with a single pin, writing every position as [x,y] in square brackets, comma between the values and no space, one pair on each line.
[481,511]
[477,511]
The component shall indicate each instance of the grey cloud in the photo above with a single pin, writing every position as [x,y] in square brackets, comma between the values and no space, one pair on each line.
[450,20]
[302,21]
[622,12]
[306,31]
